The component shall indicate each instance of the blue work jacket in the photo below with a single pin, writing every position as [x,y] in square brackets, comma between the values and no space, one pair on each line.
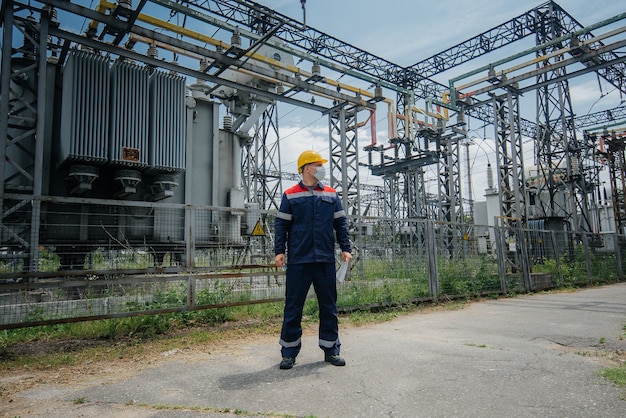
[307,223]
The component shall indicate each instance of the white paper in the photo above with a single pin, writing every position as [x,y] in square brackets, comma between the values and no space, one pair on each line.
[343,270]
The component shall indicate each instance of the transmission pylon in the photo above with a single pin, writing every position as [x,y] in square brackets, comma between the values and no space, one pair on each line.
[510,163]
[261,164]
[344,157]
[616,151]
[511,183]
[559,155]
[24,85]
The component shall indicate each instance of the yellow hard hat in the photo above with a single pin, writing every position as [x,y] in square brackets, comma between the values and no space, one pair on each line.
[308,157]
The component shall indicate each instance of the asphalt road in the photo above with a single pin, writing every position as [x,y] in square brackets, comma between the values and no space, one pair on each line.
[528,356]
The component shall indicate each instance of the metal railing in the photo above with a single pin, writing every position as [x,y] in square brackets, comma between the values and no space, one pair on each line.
[113,260]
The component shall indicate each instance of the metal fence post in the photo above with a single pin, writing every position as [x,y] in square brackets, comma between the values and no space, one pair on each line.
[431,250]
[190,239]
[587,258]
[191,292]
[557,256]
[524,259]
[618,255]
[500,252]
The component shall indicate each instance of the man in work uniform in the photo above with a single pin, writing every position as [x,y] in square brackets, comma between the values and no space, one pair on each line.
[309,218]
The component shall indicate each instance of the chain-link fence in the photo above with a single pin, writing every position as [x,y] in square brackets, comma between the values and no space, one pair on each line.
[106,261]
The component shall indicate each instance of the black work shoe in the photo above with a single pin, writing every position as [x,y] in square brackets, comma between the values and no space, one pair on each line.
[334,359]
[287,363]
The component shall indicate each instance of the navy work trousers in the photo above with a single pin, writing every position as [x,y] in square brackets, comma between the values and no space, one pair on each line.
[299,280]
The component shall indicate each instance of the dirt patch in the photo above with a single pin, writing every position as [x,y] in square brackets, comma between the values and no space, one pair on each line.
[41,348]
[93,361]
[609,354]
[102,364]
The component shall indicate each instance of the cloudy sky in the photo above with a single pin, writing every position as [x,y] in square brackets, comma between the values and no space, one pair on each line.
[407,31]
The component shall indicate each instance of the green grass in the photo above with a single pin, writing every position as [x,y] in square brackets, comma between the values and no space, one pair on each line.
[571,268]
[126,338]
[617,374]
[123,337]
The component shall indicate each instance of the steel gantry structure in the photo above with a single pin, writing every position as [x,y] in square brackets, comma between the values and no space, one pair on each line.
[555,130]
[246,78]
[546,22]
[409,150]
[418,137]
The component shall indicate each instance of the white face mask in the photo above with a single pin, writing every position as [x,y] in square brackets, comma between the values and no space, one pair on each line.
[320,173]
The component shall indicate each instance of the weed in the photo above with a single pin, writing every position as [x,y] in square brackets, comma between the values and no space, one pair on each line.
[359,318]
[616,375]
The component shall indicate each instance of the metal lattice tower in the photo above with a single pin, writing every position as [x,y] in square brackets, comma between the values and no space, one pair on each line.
[404,177]
[344,157]
[416,193]
[23,93]
[261,162]
[558,151]
[510,166]
[511,184]
[402,184]
[616,151]
[22,131]
[414,80]
[449,180]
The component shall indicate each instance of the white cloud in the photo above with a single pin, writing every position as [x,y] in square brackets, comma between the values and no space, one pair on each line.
[588,98]
[295,139]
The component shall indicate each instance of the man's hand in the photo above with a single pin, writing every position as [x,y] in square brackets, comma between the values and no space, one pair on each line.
[279,260]
[346,256]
